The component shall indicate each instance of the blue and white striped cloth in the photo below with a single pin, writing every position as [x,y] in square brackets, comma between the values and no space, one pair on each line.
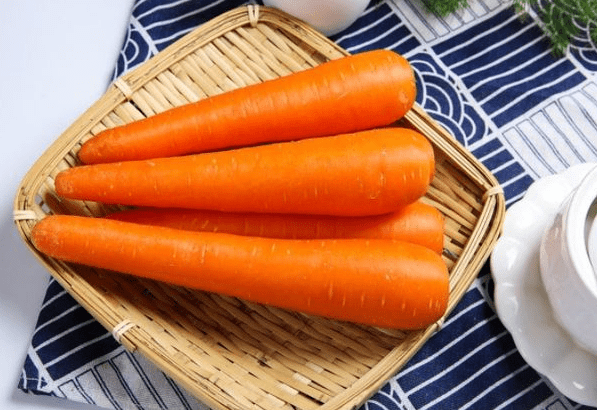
[487,76]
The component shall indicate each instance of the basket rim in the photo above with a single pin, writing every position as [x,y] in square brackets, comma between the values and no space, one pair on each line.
[476,251]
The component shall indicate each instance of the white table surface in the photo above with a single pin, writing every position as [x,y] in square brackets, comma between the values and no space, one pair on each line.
[56,58]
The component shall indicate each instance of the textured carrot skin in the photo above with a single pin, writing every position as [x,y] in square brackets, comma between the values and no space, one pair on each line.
[349,94]
[418,223]
[374,282]
[370,172]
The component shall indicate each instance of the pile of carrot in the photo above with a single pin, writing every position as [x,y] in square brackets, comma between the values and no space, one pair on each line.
[297,193]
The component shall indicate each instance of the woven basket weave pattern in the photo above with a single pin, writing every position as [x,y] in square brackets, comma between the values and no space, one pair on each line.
[230,353]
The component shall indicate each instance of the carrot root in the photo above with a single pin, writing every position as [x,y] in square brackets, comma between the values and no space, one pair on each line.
[349,94]
[370,172]
[418,223]
[374,282]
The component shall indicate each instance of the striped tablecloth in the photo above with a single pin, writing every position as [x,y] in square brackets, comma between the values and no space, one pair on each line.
[486,75]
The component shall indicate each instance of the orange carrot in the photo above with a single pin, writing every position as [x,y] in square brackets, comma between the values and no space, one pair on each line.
[349,94]
[370,172]
[374,282]
[416,223]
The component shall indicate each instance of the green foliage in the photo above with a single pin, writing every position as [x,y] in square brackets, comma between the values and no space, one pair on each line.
[561,20]
[444,7]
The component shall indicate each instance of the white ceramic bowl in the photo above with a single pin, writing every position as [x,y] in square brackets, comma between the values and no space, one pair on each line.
[520,297]
[327,16]
[566,269]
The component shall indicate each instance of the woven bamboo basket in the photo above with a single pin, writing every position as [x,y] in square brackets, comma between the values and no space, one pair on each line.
[229,353]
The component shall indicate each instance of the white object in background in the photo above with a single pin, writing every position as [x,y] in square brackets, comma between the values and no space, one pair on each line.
[520,296]
[566,269]
[327,16]
[592,237]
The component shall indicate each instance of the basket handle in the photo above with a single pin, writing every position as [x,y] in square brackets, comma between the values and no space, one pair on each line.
[494,190]
[124,87]
[24,215]
[121,328]
[253,10]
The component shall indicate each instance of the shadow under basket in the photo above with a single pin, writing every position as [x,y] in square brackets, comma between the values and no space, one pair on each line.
[229,353]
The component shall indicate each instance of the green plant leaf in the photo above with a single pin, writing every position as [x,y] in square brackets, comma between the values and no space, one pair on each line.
[444,7]
[560,18]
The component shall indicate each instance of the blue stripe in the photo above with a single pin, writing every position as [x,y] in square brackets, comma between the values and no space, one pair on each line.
[518,35]
[515,60]
[473,125]
[149,12]
[449,125]
[519,382]
[72,341]
[30,379]
[587,57]
[517,187]
[486,380]
[510,172]
[510,93]
[60,325]
[385,399]
[398,34]
[54,308]
[468,368]
[535,98]
[483,27]
[500,82]
[380,23]
[54,288]
[447,98]
[137,50]
[511,77]
[532,398]
[407,46]
[85,355]
[169,14]
[472,303]
[498,158]
[473,339]
[487,148]
[167,33]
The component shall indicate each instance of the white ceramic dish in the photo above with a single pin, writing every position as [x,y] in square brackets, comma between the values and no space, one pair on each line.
[520,297]
[327,16]
[566,269]
[592,237]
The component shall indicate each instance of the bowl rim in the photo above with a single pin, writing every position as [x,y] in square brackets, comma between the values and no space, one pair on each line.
[574,225]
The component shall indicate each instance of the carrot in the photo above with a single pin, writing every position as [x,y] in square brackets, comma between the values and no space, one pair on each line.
[345,95]
[374,282]
[370,172]
[416,223]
